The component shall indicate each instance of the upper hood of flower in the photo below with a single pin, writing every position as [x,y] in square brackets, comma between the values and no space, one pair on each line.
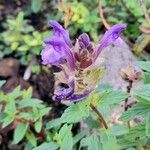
[112,36]
[58,47]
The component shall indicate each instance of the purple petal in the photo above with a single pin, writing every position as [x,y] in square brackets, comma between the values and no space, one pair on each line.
[64,93]
[84,40]
[61,44]
[110,37]
[50,56]
[60,32]
[79,97]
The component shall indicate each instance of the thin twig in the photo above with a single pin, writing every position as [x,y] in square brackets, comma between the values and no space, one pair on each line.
[144,9]
[107,26]
[100,117]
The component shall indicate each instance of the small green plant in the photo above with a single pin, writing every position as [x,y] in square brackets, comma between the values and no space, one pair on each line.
[21,39]
[24,115]
[81,18]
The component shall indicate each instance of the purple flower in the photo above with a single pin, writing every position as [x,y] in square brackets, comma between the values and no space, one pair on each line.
[76,61]
[58,47]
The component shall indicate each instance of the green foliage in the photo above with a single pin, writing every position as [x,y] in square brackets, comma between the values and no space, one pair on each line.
[22,111]
[46,146]
[20,37]
[20,132]
[36,5]
[76,112]
[108,141]
[92,142]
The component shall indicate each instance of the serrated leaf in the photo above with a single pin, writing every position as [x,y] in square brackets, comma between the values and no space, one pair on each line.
[30,103]
[118,130]
[92,142]
[20,132]
[108,140]
[47,146]
[145,65]
[135,137]
[38,126]
[113,97]
[146,78]
[76,112]
[66,137]
[135,111]
[143,93]
[147,127]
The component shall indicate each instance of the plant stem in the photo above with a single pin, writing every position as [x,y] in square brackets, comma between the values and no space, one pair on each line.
[128,91]
[126,106]
[100,117]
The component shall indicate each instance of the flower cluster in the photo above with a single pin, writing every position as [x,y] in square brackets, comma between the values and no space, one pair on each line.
[79,71]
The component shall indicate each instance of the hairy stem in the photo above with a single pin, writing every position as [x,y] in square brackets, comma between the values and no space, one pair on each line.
[126,106]
[128,91]
[100,117]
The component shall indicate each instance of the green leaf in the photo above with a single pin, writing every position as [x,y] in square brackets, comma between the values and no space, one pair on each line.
[2,116]
[92,142]
[118,130]
[108,140]
[147,127]
[143,93]
[145,65]
[10,108]
[44,111]
[27,94]
[135,137]
[31,138]
[25,115]
[7,120]
[135,111]
[20,132]
[76,112]
[36,5]
[54,123]
[15,93]
[47,146]
[146,78]
[20,18]
[66,137]
[38,126]
[113,97]
[30,103]
[80,135]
